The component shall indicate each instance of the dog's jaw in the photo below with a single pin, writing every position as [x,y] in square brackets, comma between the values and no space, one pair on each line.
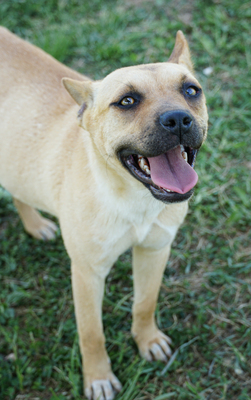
[142,168]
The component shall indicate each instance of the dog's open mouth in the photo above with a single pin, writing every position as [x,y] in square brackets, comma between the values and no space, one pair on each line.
[170,176]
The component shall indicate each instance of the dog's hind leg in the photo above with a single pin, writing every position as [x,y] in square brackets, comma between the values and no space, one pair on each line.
[36,225]
[148,268]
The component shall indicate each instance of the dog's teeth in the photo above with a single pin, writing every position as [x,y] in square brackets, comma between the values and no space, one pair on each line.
[167,190]
[184,155]
[147,170]
[183,152]
[143,165]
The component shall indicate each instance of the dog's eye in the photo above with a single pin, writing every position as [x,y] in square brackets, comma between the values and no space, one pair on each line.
[127,101]
[192,91]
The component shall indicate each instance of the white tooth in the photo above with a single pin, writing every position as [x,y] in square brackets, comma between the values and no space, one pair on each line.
[147,170]
[184,155]
[143,165]
[182,148]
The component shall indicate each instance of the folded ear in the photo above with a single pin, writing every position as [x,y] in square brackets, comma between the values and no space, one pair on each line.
[181,53]
[80,91]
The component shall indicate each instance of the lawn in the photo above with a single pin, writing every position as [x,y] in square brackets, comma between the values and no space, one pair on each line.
[205,299]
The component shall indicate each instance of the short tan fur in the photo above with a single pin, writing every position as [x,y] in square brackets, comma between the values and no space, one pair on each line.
[69,166]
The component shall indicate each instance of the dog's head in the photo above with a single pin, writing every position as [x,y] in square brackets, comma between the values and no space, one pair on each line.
[150,119]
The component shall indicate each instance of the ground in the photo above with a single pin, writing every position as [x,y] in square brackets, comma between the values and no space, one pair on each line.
[204,303]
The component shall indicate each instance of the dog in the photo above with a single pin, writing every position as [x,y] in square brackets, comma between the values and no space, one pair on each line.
[113,161]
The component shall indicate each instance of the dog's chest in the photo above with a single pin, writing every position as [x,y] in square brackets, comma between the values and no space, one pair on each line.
[155,228]
[141,219]
[135,227]
[118,231]
[141,231]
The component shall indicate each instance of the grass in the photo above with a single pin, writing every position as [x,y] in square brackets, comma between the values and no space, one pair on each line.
[204,301]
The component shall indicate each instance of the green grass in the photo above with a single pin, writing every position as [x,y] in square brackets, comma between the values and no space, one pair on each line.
[204,303]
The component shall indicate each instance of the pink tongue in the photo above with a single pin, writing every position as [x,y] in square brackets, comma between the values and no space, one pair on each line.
[171,171]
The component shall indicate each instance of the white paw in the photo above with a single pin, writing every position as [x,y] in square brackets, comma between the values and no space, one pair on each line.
[42,229]
[157,348]
[47,230]
[103,389]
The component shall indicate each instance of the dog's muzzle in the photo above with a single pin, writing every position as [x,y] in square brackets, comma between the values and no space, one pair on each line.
[163,159]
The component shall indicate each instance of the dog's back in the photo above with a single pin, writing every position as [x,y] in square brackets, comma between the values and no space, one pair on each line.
[32,102]
[23,64]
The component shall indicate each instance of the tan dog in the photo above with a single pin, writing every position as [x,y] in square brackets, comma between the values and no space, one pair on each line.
[120,182]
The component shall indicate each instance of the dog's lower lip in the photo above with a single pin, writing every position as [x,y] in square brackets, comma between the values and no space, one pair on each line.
[133,163]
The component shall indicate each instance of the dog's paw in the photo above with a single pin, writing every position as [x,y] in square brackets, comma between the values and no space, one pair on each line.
[44,230]
[103,389]
[155,348]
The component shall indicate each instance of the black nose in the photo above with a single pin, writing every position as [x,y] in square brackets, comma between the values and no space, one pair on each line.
[176,122]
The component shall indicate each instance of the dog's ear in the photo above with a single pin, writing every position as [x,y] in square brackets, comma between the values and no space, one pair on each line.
[181,53]
[80,91]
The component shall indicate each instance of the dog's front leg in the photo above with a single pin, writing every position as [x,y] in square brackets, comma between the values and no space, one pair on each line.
[88,288]
[148,267]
